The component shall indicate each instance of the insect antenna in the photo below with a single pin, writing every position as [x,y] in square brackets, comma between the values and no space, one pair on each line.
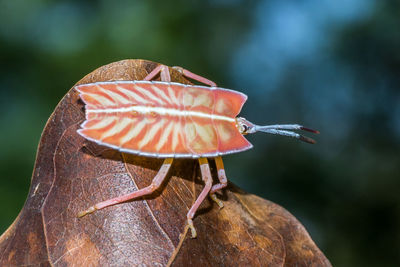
[282,129]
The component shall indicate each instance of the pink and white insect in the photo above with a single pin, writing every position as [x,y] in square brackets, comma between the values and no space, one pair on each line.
[171,120]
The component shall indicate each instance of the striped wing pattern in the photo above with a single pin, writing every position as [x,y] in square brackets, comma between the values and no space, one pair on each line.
[162,119]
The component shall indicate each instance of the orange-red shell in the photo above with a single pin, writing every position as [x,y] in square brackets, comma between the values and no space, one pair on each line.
[161,119]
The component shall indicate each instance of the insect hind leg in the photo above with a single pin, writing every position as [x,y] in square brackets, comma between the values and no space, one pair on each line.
[155,184]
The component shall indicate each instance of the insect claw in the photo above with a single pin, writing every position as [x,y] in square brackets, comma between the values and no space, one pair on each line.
[216,200]
[192,229]
[86,212]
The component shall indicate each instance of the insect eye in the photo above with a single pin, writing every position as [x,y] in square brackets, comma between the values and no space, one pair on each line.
[244,128]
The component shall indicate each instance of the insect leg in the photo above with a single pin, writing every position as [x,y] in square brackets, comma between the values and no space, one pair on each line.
[155,184]
[223,181]
[206,176]
[165,77]
[195,77]
[164,74]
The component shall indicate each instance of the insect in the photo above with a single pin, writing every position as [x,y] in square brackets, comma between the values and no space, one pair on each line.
[163,119]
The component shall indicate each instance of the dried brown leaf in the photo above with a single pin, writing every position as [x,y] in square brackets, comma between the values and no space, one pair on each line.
[72,173]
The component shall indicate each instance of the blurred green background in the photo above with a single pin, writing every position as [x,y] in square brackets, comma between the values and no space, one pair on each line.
[330,65]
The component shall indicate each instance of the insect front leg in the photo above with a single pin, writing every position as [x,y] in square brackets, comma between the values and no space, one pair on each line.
[223,181]
[166,77]
[194,76]
[164,74]
[155,184]
[206,176]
